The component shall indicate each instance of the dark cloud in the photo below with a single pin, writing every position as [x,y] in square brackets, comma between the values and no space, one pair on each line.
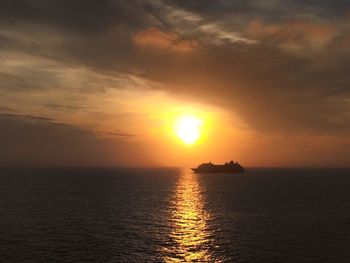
[23,117]
[216,7]
[6,110]
[13,82]
[268,9]
[331,8]
[36,140]
[118,134]
[82,16]
[272,90]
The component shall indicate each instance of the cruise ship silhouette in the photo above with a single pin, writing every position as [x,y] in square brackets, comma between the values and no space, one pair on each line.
[231,167]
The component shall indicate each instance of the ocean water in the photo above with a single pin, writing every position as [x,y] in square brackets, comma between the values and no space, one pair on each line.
[173,215]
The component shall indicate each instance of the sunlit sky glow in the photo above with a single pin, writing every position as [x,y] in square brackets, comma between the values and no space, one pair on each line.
[110,82]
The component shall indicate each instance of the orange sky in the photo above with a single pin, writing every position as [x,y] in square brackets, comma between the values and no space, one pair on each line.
[98,87]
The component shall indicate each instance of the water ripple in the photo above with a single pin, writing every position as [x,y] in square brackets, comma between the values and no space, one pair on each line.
[190,233]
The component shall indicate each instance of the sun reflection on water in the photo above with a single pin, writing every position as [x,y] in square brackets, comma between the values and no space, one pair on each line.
[189,235]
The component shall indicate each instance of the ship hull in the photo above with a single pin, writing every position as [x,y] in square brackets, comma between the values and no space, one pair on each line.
[217,170]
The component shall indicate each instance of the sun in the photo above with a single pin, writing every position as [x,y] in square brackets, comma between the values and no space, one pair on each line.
[188,128]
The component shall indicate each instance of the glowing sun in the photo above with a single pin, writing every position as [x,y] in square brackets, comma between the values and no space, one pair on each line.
[188,128]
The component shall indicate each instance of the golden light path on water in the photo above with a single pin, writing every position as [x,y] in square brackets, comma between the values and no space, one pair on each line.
[189,222]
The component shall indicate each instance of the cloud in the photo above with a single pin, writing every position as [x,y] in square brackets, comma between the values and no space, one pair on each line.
[210,8]
[292,35]
[83,17]
[156,38]
[272,90]
[11,82]
[6,110]
[271,9]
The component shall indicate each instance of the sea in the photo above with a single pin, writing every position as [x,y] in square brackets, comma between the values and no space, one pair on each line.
[174,215]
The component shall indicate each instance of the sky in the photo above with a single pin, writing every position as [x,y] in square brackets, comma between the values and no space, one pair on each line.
[100,83]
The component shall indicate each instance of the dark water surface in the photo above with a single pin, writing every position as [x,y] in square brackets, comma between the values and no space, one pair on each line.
[170,215]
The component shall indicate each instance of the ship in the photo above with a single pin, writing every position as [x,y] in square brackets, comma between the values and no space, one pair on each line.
[230,167]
